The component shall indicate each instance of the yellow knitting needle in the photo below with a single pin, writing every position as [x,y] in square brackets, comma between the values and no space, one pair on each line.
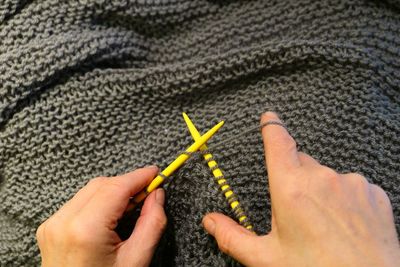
[174,166]
[212,164]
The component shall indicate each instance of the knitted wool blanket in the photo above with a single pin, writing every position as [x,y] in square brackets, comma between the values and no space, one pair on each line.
[96,88]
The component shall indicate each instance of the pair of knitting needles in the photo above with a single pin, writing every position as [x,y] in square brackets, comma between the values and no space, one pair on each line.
[220,178]
[199,144]
[178,162]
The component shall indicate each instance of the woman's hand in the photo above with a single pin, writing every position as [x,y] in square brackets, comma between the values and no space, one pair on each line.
[319,217]
[82,232]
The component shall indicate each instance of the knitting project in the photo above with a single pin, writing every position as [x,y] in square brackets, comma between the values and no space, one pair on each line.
[96,88]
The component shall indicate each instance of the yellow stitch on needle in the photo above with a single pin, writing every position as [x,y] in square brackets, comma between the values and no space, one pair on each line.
[175,165]
[217,172]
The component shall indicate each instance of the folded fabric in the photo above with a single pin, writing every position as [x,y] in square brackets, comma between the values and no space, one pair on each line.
[94,88]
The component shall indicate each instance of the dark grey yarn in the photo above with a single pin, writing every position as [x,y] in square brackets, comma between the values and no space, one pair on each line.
[90,88]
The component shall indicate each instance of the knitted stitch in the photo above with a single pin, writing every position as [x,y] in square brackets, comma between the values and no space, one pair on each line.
[92,88]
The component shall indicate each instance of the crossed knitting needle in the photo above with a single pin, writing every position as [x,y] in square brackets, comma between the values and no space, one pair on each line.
[182,158]
[220,178]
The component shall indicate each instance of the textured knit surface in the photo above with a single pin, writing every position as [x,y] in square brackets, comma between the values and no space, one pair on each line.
[94,88]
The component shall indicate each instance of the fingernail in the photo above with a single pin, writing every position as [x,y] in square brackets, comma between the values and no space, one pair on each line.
[160,196]
[209,224]
[271,114]
[155,167]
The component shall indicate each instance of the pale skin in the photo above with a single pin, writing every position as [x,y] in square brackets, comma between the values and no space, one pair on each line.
[319,218]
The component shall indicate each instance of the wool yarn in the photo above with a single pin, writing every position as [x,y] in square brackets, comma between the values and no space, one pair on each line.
[96,88]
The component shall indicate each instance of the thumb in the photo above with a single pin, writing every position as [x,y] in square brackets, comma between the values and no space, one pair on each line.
[238,242]
[138,250]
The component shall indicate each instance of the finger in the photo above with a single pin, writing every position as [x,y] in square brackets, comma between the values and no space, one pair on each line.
[236,241]
[140,246]
[280,148]
[110,201]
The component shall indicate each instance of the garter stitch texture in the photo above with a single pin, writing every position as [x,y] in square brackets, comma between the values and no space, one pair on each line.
[92,88]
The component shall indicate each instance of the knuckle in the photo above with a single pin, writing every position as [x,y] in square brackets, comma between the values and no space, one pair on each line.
[285,142]
[381,195]
[78,234]
[289,143]
[225,242]
[306,159]
[48,230]
[326,180]
[328,173]
[97,181]
[378,190]
[303,156]
[40,232]
[160,221]
[110,187]
[295,195]
[358,180]
[113,185]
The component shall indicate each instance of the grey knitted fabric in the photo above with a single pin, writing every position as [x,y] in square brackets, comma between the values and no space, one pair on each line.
[93,88]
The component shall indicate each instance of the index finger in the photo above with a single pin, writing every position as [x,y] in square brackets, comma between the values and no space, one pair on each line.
[280,148]
[110,201]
